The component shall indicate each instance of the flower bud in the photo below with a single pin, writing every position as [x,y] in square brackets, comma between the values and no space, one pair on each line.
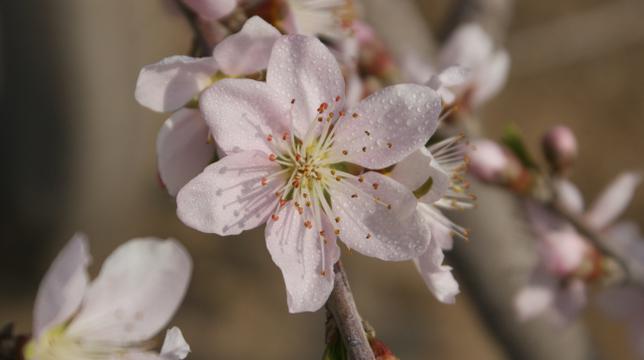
[488,161]
[560,148]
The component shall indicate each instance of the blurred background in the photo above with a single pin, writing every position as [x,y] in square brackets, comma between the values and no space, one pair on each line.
[78,154]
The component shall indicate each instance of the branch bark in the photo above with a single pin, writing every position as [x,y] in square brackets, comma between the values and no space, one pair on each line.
[347,319]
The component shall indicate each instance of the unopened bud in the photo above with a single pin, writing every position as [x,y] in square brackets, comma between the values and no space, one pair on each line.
[488,161]
[560,148]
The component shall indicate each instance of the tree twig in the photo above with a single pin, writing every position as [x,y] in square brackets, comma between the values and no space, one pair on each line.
[347,319]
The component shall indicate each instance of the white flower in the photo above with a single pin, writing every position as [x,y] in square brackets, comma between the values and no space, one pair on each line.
[183,149]
[293,151]
[137,291]
[435,174]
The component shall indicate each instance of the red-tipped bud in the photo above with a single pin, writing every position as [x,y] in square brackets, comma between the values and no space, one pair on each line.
[560,148]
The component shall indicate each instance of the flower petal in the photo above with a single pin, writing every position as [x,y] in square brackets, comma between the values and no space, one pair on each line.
[302,68]
[613,200]
[369,226]
[63,287]
[137,291]
[305,258]
[387,126]
[172,82]
[537,296]
[212,9]
[569,302]
[242,113]
[437,277]
[437,223]
[468,46]
[174,346]
[247,51]
[569,195]
[183,149]
[228,196]
[420,173]
[491,77]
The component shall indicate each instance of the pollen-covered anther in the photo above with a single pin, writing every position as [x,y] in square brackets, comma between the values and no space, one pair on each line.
[375,186]
[292,101]
[296,183]
[337,178]
[308,224]
[336,232]
[298,157]
[308,204]
[354,115]
[342,113]
[368,236]
[388,206]
[320,118]
[264,181]
[269,138]
[337,219]
[337,98]
[367,133]
[390,145]
[344,152]
[361,179]
[323,273]
[285,136]
[283,202]
[353,196]
[272,157]
[364,149]
[275,217]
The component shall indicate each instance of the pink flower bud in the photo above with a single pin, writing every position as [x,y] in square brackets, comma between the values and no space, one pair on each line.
[560,147]
[488,161]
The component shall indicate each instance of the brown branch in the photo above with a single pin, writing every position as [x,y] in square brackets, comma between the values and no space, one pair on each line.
[347,319]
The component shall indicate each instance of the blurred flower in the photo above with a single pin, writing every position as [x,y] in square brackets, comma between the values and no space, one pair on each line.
[435,175]
[560,147]
[468,71]
[293,161]
[567,260]
[489,162]
[137,291]
[183,149]
[212,9]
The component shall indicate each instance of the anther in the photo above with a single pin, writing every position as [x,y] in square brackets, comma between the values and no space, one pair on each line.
[264,181]
[269,138]
[344,152]
[308,224]
[292,101]
[337,178]
[337,219]
[353,196]
[367,133]
[272,157]
[368,236]
[275,217]
[364,149]
[337,98]
[375,186]
[354,115]
[361,179]
[389,145]
[337,231]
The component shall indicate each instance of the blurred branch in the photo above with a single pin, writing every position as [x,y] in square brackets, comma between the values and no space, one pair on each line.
[343,308]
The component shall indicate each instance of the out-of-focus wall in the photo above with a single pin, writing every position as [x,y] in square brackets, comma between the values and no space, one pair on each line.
[80,156]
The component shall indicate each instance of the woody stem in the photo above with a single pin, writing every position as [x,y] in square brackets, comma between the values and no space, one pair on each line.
[348,320]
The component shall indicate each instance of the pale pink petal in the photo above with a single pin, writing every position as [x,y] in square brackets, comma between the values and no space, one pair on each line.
[387,126]
[568,194]
[247,51]
[488,162]
[627,241]
[242,113]
[420,173]
[172,82]
[437,277]
[613,200]
[303,69]
[174,346]
[183,149]
[212,9]
[453,76]
[537,296]
[378,218]
[438,225]
[468,46]
[490,78]
[563,250]
[63,287]
[137,291]
[306,260]
[229,197]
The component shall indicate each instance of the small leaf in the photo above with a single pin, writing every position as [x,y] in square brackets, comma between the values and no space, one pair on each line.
[513,140]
